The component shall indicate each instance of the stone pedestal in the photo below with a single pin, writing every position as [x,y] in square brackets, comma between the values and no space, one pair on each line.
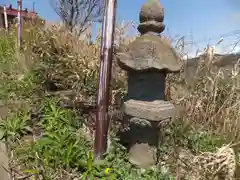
[144,119]
[147,60]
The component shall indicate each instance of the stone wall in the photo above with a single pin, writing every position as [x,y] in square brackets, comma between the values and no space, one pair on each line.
[226,62]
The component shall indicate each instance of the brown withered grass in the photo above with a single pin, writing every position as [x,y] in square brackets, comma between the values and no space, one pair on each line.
[67,64]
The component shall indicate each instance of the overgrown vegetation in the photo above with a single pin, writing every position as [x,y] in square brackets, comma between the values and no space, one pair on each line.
[50,88]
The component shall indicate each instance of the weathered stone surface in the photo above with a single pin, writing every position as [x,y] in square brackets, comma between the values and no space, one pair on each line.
[149,52]
[151,17]
[146,86]
[3,111]
[153,111]
[142,155]
[147,60]
[5,108]
[4,160]
[144,138]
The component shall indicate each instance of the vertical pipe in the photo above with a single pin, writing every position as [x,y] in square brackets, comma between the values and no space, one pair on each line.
[5,17]
[19,22]
[102,123]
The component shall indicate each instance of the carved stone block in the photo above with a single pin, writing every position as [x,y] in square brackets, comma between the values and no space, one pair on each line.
[146,86]
[143,142]
[153,111]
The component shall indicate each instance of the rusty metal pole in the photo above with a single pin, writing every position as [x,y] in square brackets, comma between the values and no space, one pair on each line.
[19,23]
[102,120]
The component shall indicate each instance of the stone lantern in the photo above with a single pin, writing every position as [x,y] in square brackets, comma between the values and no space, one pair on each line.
[147,60]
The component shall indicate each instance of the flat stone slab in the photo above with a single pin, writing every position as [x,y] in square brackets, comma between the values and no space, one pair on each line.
[142,155]
[154,111]
[4,160]
[6,106]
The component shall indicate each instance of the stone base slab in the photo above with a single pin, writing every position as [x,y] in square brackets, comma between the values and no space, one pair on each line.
[4,160]
[154,111]
[142,155]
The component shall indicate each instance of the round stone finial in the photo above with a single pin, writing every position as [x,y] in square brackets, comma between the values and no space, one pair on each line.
[151,17]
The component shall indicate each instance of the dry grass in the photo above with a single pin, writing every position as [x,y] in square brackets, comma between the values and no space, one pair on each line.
[213,101]
[69,67]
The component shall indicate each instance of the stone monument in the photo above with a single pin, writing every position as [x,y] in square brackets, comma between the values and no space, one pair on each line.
[147,60]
